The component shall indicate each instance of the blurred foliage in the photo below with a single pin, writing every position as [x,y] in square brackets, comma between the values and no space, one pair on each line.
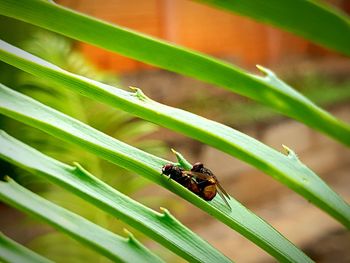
[14,32]
[115,123]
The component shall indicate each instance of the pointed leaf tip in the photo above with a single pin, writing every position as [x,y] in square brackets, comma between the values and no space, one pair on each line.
[166,214]
[5,178]
[165,211]
[267,72]
[182,161]
[130,236]
[138,93]
[79,168]
[133,88]
[290,153]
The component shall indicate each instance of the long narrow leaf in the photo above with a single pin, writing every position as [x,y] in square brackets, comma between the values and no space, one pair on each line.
[29,111]
[313,20]
[268,90]
[103,241]
[286,169]
[164,228]
[12,252]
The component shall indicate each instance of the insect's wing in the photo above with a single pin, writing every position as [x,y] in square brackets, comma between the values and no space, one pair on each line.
[222,189]
[203,176]
[198,175]
[224,198]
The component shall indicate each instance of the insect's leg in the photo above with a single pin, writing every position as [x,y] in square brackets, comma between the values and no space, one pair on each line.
[166,176]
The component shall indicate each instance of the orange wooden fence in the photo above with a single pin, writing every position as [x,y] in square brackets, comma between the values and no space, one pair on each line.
[200,27]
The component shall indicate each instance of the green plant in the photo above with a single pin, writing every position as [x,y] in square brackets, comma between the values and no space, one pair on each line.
[270,90]
[12,250]
[237,113]
[163,227]
[58,50]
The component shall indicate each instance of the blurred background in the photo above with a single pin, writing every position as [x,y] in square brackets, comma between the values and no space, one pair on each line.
[320,74]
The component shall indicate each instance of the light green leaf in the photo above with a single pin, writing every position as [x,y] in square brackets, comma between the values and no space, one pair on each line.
[29,111]
[288,171]
[103,241]
[162,227]
[12,252]
[269,90]
[311,19]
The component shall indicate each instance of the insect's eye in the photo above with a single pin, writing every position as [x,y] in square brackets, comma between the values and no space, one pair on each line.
[197,166]
[167,167]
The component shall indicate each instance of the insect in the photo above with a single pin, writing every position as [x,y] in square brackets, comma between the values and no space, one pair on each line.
[199,180]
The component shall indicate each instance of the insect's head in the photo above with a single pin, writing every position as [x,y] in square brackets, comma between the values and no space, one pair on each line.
[167,169]
[197,166]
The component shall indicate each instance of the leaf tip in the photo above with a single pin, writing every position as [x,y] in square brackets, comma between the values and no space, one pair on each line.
[166,214]
[133,88]
[174,152]
[290,153]
[127,232]
[78,167]
[5,178]
[264,70]
[182,161]
[130,237]
[286,148]
[138,93]
[164,210]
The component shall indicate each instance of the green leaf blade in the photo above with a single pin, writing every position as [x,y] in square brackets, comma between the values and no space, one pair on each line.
[187,62]
[57,124]
[108,244]
[13,252]
[162,227]
[290,172]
